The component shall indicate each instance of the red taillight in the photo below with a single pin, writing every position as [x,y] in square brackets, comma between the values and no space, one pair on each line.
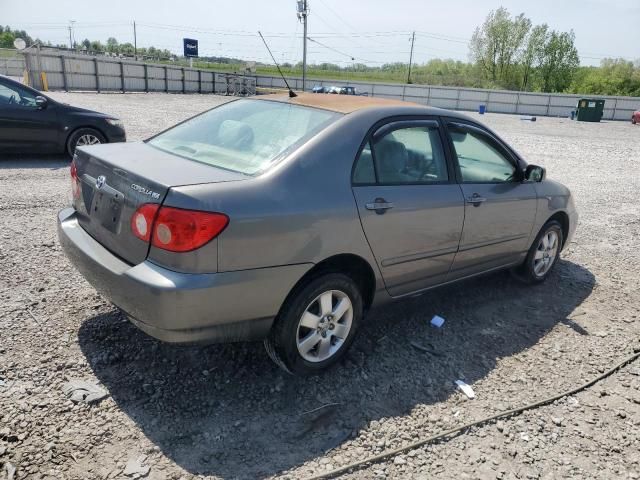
[176,229]
[75,181]
[142,220]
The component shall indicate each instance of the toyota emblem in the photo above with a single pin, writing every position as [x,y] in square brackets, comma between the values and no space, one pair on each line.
[100,181]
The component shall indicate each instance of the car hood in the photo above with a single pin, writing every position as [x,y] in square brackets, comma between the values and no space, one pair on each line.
[84,111]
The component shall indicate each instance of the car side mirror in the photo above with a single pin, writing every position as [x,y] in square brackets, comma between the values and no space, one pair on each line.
[41,102]
[534,173]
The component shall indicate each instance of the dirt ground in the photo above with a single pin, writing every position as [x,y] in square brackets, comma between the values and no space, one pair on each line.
[225,411]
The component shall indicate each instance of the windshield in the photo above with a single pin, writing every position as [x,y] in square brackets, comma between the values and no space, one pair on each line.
[246,136]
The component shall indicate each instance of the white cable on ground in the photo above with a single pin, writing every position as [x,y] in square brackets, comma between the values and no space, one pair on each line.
[507,413]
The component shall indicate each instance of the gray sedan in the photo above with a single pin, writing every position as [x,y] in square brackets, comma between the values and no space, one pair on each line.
[287,219]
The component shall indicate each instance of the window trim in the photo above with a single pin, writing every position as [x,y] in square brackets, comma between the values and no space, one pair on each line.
[391,124]
[492,140]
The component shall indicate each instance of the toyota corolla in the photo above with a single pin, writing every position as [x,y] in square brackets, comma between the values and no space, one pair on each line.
[287,219]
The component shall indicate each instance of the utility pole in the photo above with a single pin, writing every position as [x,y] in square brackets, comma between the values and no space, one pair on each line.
[135,41]
[413,38]
[303,13]
[72,37]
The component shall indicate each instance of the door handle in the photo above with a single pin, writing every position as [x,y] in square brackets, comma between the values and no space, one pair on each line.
[476,199]
[379,205]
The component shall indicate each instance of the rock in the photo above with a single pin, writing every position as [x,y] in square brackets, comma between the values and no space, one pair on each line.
[135,467]
[399,460]
[80,391]
[557,421]
[10,470]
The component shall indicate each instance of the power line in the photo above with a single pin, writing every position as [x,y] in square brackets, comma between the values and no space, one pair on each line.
[331,48]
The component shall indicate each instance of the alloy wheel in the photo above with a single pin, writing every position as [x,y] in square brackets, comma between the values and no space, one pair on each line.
[546,253]
[324,326]
[87,139]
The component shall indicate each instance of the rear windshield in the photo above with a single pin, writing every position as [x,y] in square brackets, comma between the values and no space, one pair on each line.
[246,136]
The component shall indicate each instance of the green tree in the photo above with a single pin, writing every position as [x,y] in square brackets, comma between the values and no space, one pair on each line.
[126,48]
[112,45]
[613,77]
[559,61]
[533,52]
[96,46]
[497,44]
[6,39]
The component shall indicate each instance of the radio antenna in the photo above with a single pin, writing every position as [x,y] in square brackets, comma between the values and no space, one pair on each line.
[291,92]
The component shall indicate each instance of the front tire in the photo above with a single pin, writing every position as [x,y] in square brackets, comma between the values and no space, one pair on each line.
[543,254]
[316,325]
[83,137]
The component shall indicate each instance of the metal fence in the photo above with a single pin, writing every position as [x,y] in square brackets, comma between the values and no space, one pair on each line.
[11,64]
[469,99]
[83,72]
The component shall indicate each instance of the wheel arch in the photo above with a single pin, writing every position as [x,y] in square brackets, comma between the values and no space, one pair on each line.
[91,127]
[349,264]
[563,218]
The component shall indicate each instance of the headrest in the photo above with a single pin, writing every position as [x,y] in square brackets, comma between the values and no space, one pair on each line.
[392,155]
[235,135]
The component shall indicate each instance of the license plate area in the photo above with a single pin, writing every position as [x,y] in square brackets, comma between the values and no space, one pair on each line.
[106,208]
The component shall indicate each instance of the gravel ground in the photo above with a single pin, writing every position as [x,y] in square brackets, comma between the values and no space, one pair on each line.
[225,411]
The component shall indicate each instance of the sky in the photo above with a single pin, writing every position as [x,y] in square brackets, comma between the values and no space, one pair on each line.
[373,31]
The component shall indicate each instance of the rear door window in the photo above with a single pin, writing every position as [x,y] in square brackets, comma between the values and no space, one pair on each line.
[364,172]
[410,155]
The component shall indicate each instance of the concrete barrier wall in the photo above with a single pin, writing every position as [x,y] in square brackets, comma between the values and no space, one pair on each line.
[454,98]
[12,66]
[82,72]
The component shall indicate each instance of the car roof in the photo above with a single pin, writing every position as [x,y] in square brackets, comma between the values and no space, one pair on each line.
[351,103]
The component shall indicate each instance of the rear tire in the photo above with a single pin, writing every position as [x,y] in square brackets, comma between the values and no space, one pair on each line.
[316,325]
[82,137]
[633,120]
[543,254]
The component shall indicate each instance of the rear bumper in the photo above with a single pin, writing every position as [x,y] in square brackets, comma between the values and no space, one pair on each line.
[181,307]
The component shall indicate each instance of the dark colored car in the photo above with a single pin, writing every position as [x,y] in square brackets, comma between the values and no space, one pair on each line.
[32,122]
[287,219]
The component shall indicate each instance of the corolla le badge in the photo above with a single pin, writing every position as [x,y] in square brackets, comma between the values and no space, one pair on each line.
[145,191]
[100,181]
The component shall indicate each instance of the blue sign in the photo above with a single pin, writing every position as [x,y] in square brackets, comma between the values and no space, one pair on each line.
[190,47]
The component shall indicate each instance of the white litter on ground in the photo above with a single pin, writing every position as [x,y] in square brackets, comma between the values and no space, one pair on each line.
[437,321]
[466,389]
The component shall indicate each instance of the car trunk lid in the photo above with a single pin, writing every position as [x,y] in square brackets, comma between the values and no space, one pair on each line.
[115,179]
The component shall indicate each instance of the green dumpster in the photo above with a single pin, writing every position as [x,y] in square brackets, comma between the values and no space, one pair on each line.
[589,110]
